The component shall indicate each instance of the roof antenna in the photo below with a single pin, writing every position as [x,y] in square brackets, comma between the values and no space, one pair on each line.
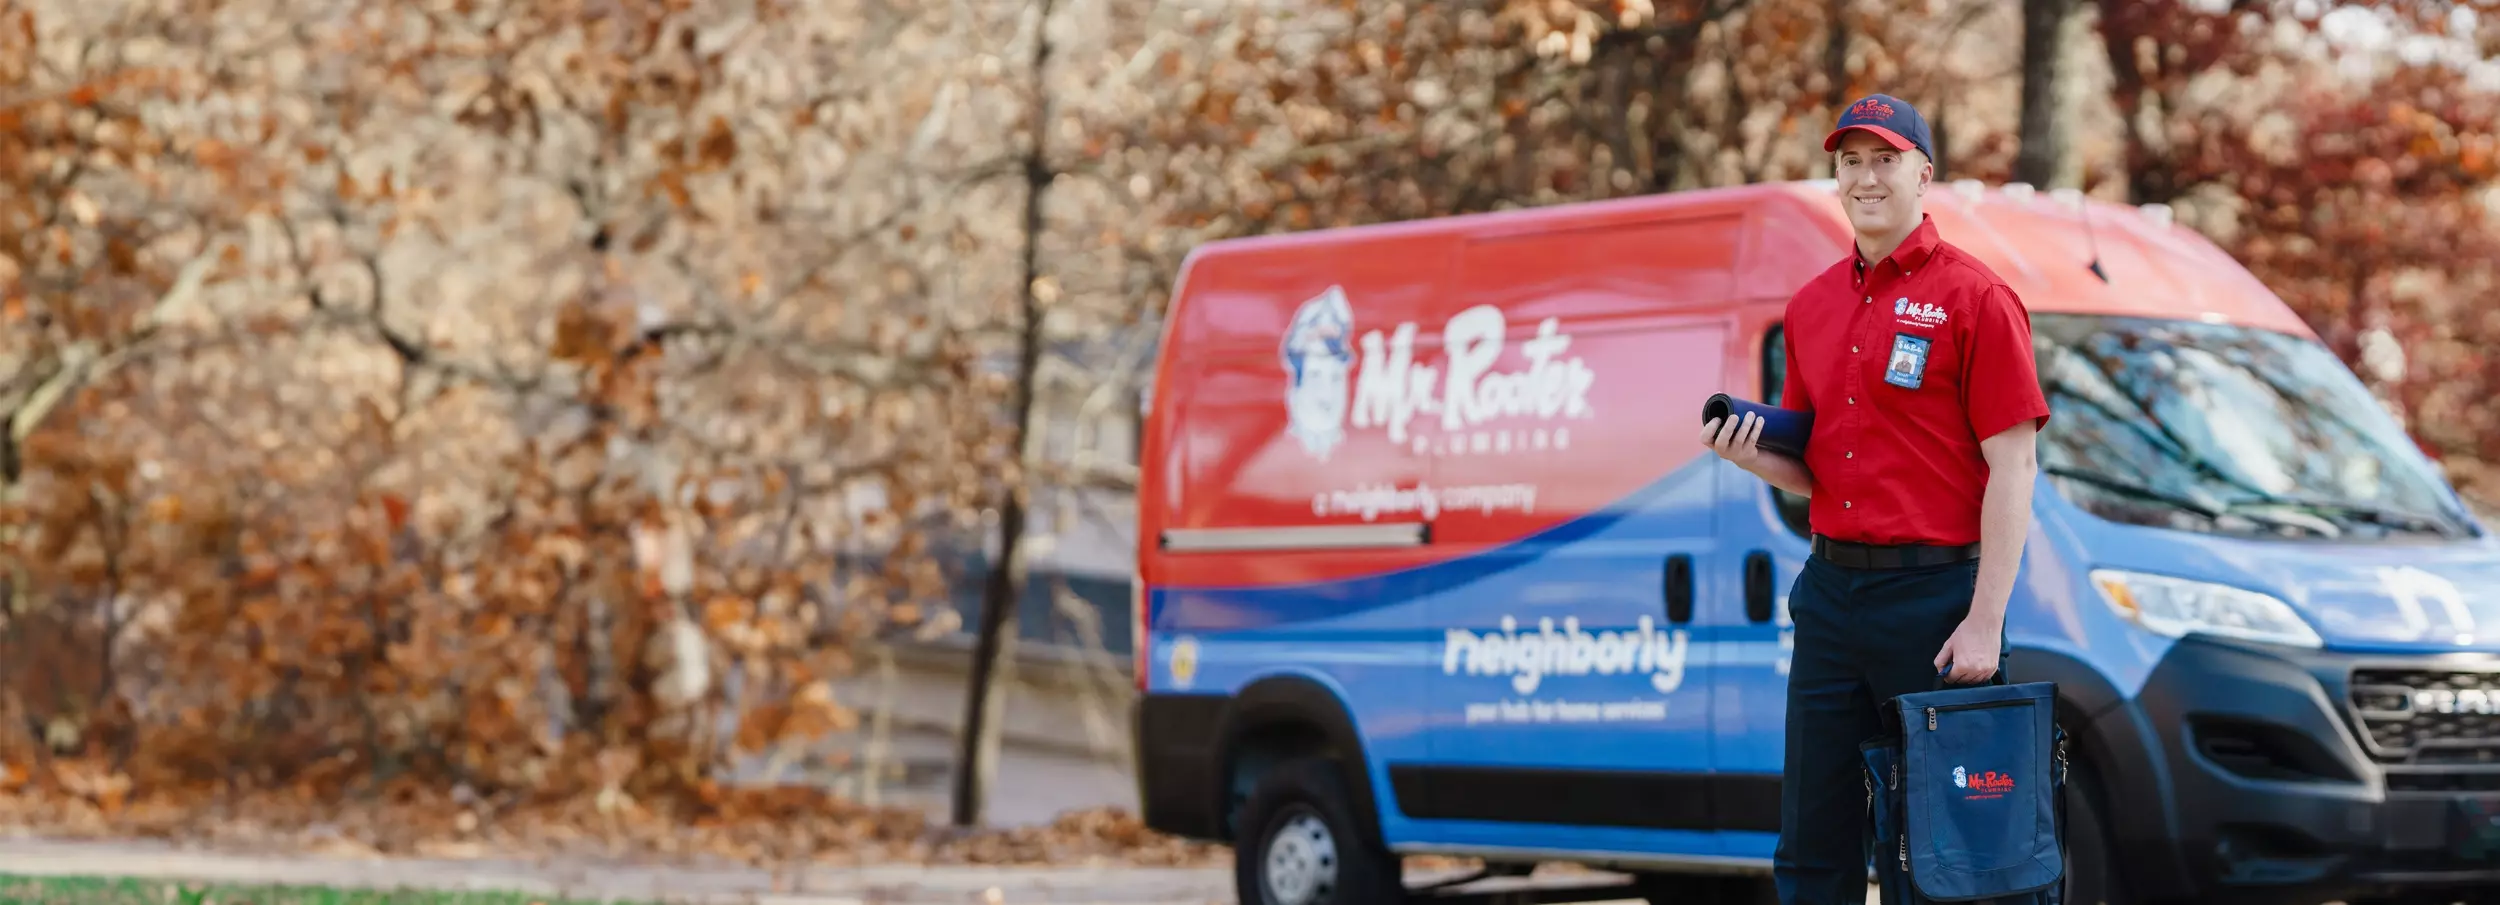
[2075,197]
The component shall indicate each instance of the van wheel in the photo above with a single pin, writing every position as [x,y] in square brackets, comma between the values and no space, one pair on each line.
[1302,843]
[2091,876]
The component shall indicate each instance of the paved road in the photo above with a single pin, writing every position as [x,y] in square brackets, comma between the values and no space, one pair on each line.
[596,880]
[887,885]
[1032,786]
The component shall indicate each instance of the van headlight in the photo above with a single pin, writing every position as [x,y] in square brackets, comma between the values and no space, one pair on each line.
[2178,606]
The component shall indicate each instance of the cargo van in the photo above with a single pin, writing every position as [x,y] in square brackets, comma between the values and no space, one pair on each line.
[1430,560]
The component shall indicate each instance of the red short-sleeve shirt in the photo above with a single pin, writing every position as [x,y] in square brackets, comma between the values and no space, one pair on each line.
[1907,364]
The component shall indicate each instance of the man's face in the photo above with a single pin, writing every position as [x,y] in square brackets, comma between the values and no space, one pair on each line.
[1880,187]
[1320,401]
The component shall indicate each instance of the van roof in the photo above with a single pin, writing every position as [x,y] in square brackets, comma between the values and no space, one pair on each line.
[2038,242]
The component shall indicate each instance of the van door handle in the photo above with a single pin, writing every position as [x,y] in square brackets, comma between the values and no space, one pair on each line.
[1758,586]
[1679,588]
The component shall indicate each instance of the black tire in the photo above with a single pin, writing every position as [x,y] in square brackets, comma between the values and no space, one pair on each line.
[2092,876]
[1302,843]
[1709,889]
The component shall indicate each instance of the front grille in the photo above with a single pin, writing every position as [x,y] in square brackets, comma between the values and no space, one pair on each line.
[2426,717]
[2441,781]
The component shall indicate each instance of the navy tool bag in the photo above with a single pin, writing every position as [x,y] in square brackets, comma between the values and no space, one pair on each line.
[1965,795]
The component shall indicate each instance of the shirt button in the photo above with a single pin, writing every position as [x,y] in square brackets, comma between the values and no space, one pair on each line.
[1853,348]
[1853,400]
[1852,454]
[1869,300]
[1844,504]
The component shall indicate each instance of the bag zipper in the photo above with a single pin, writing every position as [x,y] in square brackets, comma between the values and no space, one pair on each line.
[1984,705]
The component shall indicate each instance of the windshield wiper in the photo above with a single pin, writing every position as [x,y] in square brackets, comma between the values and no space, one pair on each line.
[2130,488]
[2376,515]
[2141,492]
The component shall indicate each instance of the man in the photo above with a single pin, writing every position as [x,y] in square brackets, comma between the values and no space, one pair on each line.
[1916,361]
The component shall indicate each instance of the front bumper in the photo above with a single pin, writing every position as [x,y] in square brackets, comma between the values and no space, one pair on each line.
[2273,778]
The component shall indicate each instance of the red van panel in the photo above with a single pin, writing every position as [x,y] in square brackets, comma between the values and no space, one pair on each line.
[1491,382]
[1494,375]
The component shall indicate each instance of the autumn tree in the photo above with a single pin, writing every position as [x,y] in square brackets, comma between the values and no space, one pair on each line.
[2345,156]
[573,387]
[2051,33]
[1413,110]
[105,250]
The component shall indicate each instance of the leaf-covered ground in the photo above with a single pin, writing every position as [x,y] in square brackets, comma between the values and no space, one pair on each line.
[757,827]
[108,891]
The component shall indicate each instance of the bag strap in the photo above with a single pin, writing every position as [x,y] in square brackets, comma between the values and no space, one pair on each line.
[2065,850]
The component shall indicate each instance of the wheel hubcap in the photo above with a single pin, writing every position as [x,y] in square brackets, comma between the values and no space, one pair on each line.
[1301,861]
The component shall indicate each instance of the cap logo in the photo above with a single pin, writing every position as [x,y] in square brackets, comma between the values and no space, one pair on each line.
[1872,109]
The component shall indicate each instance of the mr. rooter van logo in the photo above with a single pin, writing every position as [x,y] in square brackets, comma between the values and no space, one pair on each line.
[1390,389]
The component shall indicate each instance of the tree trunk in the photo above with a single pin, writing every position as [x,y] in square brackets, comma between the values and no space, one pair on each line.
[1939,135]
[2046,155]
[1836,58]
[976,756]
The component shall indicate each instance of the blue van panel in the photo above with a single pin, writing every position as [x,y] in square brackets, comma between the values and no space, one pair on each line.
[1691,746]
[1417,654]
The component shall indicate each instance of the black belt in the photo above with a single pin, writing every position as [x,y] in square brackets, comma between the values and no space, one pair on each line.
[1900,556]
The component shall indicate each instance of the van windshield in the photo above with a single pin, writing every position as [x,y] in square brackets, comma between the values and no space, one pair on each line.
[2226,429]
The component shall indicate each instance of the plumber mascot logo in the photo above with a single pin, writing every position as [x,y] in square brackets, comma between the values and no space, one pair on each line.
[1318,354]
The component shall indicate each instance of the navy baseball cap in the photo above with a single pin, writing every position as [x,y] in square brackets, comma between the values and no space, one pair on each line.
[1891,118]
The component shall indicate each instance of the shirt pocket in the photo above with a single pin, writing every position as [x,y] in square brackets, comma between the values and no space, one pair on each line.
[1918,360]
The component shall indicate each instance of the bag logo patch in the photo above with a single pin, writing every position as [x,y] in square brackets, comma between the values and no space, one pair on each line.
[1991,784]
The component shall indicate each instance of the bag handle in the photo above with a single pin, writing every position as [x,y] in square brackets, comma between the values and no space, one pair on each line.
[1998,678]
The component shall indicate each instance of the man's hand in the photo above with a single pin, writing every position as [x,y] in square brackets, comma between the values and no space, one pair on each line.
[1972,651]
[1735,439]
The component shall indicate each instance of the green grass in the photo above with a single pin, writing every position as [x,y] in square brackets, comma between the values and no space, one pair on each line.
[16,890]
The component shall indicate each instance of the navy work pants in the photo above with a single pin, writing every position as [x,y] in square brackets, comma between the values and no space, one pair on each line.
[1862,636]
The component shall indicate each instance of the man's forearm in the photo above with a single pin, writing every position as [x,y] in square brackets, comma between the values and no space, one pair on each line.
[1784,473]
[2004,523]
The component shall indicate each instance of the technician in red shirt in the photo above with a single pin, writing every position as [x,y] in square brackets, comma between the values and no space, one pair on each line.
[1916,362]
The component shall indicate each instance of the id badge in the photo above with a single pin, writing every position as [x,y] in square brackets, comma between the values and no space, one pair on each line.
[1909,361]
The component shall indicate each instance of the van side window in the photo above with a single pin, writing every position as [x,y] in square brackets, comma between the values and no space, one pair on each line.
[1792,507]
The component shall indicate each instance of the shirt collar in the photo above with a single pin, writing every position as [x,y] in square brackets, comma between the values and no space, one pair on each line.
[1910,255]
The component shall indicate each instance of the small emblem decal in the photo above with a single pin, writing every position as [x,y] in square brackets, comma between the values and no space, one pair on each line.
[1184,661]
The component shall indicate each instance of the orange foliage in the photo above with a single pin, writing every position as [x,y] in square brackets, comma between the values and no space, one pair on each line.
[303,538]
